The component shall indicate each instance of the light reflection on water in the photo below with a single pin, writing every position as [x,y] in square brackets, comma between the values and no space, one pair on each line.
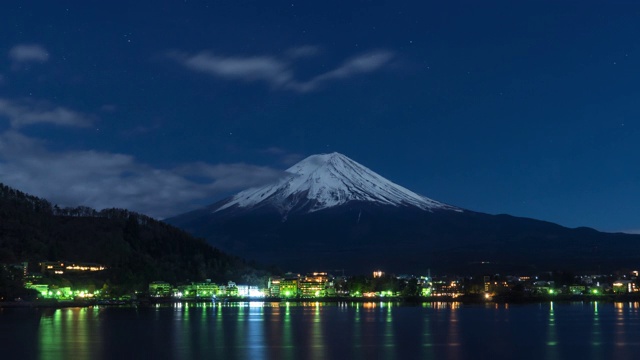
[315,330]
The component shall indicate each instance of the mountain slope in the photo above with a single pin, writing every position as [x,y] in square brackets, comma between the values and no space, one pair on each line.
[333,213]
[136,249]
[327,180]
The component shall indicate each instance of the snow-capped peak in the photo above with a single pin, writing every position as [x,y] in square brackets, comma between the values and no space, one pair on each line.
[326,180]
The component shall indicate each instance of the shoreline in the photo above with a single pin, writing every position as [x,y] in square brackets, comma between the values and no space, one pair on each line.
[465,299]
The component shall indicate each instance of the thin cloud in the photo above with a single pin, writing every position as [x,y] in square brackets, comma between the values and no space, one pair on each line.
[258,68]
[302,52]
[361,64]
[278,72]
[28,53]
[284,156]
[230,177]
[103,180]
[23,113]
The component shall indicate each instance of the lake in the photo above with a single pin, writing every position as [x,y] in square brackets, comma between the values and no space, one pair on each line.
[371,330]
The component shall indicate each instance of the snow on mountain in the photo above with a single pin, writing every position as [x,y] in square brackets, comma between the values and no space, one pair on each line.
[326,180]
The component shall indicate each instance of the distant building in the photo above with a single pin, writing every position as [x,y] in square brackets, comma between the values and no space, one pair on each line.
[314,284]
[43,289]
[159,289]
[577,289]
[205,289]
[624,286]
[274,286]
[487,284]
[62,267]
[249,291]
[289,285]
[452,288]
[232,289]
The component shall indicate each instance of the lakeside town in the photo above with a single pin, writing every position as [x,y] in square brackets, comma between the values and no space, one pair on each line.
[326,286]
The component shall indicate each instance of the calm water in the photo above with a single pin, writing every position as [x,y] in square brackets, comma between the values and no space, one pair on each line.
[325,331]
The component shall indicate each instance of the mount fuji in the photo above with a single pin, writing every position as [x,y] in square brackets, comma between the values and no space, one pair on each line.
[328,180]
[329,212]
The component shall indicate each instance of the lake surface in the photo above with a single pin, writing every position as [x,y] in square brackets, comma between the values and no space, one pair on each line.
[325,331]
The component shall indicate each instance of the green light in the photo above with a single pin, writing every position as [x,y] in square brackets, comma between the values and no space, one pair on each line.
[594,291]
[551,291]
[287,293]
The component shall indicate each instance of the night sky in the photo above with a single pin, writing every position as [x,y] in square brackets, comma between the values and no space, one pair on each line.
[530,108]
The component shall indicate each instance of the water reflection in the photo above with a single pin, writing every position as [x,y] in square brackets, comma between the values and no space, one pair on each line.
[427,337]
[619,336]
[327,331]
[453,338]
[287,337]
[552,335]
[596,334]
[255,339]
[317,338]
[389,342]
[73,328]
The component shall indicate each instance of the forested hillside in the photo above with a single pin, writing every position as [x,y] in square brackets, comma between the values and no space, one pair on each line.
[136,248]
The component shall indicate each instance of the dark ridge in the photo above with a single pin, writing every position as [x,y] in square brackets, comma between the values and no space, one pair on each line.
[362,236]
[136,249]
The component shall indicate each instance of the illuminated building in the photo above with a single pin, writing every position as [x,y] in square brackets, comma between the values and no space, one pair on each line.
[289,285]
[205,289]
[61,293]
[378,274]
[249,291]
[62,267]
[624,286]
[232,289]
[447,288]
[159,289]
[577,289]
[274,286]
[314,284]
[243,290]
[43,289]
[544,287]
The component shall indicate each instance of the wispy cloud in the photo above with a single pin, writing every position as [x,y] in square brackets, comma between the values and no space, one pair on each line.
[361,64]
[28,112]
[259,68]
[28,53]
[279,71]
[302,51]
[228,177]
[104,180]
[283,155]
